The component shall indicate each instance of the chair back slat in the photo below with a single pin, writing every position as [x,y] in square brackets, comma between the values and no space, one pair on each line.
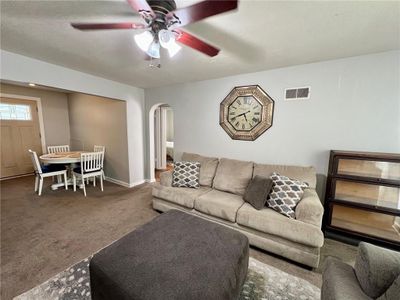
[98,148]
[55,149]
[35,162]
[91,161]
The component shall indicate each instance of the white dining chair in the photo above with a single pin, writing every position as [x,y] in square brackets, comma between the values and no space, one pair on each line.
[91,166]
[42,172]
[60,148]
[97,148]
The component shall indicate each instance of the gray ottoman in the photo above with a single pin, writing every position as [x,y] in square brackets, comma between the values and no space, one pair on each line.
[175,256]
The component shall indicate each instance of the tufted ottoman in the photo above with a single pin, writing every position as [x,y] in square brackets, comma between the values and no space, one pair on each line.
[175,256]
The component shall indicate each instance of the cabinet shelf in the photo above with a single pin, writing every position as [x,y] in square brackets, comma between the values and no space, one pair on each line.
[363,196]
[382,209]
[380,181]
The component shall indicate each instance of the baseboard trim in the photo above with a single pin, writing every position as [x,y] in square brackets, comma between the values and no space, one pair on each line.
[125,184]
[116,181]
[137,183]
[17,176]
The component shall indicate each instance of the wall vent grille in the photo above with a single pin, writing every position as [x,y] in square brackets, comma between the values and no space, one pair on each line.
[301,93]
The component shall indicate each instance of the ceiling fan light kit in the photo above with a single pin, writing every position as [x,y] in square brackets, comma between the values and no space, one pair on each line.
[163,22]
[150,43]
[144,40]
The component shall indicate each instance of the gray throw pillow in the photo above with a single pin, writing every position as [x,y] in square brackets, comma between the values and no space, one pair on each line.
[257,191]
[286,194]
[186,174]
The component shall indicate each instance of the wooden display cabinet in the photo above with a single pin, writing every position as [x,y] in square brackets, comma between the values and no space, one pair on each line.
[362,200]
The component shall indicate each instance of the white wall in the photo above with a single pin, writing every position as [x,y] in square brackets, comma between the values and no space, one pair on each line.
[101,121]
[354,105]
[20,68]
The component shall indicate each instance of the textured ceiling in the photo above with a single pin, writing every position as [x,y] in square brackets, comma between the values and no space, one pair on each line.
[261,35]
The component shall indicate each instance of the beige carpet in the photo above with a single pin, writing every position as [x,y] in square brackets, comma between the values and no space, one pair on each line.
[42,236]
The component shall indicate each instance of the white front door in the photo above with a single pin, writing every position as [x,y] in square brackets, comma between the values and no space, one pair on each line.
[19,133]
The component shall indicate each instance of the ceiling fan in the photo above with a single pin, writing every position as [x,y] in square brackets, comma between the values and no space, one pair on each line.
[162,22]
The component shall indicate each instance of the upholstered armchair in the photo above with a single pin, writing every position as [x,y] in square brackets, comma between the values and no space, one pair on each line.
[376,275]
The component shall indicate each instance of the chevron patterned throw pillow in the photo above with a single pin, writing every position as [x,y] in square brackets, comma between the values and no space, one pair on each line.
[286,194]
[186,174]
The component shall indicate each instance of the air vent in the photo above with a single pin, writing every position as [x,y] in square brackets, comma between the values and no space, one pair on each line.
[300,93]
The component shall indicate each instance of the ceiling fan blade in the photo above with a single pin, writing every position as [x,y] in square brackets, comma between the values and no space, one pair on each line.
[141,6]
[195,43]
[201,10]
[102,26]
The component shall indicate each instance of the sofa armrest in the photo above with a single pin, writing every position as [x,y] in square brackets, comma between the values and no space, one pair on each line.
[310,209]
[166,178]
[376,268]
[339,282]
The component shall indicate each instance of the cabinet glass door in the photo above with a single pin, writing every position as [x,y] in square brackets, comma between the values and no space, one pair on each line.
[371,194]
[369,168]
[366,222]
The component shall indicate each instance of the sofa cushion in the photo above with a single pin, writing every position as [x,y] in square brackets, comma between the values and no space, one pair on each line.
[186,174]
[376,268]
[181,196]
[219,204]
[305,174]
[285,195]
[339,282]
[257,191]
[233,175]
[208,167]
[269,221]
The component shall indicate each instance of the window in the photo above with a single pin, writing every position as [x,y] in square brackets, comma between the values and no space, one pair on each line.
[18,112]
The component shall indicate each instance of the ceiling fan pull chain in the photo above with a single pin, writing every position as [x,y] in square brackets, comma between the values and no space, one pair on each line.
[155,62]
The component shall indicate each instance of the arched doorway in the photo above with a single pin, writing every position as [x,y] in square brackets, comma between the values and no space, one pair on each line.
[161,139]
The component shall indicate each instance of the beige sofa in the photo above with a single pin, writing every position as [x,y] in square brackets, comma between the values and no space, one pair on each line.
[219,199]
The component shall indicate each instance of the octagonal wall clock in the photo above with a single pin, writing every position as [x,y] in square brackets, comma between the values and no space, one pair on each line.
[246,113]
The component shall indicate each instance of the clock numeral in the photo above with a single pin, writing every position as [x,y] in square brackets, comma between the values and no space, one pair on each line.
[232,113]
[237,124]
[255,120]
[248,100]
[255,106]
[234,107]
[257,113]
[233,119]
[243,126]
[238,102]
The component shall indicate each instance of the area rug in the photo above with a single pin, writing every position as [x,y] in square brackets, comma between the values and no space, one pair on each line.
[263,282]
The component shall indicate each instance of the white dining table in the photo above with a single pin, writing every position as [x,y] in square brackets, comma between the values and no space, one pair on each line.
[65,158]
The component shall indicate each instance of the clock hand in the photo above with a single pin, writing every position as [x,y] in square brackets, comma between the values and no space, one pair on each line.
[243,114]
[239,115]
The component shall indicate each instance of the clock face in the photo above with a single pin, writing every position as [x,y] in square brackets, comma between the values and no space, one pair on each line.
[244,113]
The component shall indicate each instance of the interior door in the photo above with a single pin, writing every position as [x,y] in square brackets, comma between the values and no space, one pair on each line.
[19,132]
[160,138]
